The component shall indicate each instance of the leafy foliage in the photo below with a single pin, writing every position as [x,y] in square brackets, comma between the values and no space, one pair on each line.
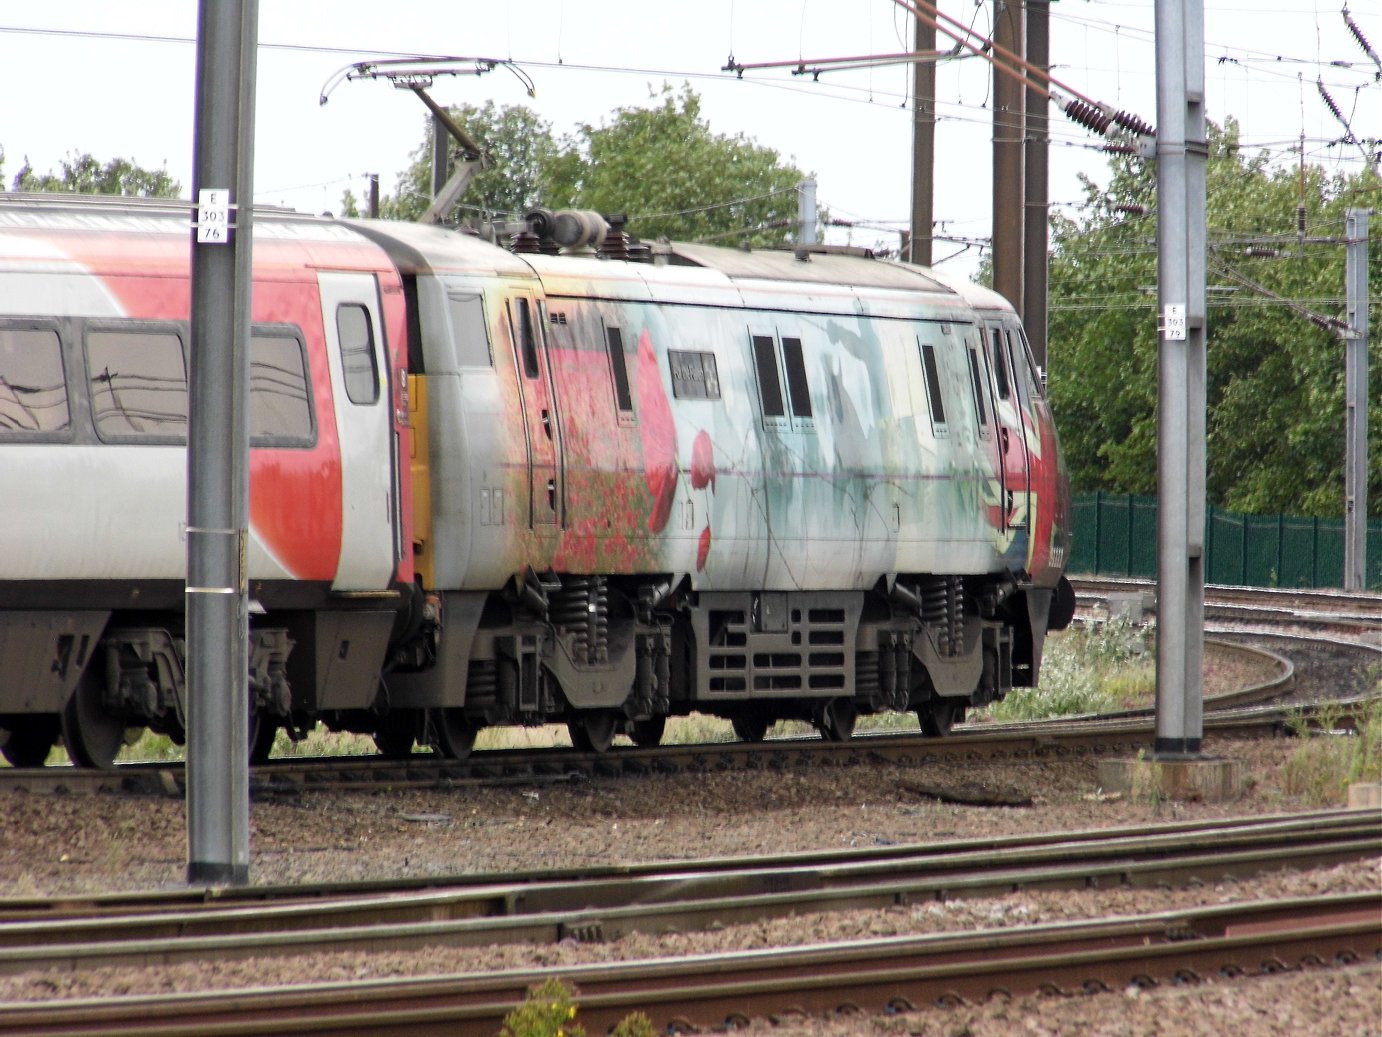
[83,174]
[519,146]
[676,179]
[1088,669]
[548,1011]
[661,166]
[1275,390]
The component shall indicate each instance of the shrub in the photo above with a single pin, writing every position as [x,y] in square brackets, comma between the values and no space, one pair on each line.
[549,1011]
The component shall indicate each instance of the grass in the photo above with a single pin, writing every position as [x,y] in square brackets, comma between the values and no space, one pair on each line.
[1096,668]
[1331,757]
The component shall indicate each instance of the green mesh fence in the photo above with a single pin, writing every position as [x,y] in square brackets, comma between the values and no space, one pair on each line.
[1115,535]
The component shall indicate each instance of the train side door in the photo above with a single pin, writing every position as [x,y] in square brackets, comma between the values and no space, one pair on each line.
[987,427]
[1012,431]
[538,402]
[359,371]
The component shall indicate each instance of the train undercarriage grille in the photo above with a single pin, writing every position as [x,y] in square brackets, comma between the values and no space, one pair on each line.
[776,643]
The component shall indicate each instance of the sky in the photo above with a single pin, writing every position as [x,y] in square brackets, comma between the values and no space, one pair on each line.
[118,80]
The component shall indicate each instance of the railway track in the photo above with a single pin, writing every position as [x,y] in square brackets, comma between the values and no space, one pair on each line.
[716,990]
[1127,731]
[600,904]
[1326,609]
[1107,733]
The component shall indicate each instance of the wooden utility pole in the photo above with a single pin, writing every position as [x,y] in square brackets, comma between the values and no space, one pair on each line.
[1009,135]
[1036,215]
[919,243]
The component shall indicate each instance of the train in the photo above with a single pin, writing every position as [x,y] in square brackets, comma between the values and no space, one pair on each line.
[549,475]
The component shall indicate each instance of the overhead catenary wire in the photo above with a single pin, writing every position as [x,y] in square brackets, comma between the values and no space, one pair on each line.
[1084,110]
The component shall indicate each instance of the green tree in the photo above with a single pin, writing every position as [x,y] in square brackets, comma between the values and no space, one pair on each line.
[661,166]
[518,146]
[83,174]
[1275,391]
[674,178]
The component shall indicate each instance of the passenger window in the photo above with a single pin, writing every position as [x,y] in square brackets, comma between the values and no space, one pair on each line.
[933,385]
[138,383]
[470,331]
[695,375]
[797,389]
[769,384]
[280,405]
[618,365]
[1022,371]
[527,340]
[33,392]
[976,377]
[358,364]
[1000,364]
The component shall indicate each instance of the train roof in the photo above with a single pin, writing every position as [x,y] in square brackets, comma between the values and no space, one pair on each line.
[813,265]
[975,295]
[421,248]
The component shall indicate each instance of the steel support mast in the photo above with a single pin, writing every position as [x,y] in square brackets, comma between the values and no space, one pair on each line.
[218,446]
[1356,403]
[1182,155]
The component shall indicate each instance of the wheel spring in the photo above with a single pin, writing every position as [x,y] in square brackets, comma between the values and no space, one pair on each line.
[482,680]
[942,609]
[581,609]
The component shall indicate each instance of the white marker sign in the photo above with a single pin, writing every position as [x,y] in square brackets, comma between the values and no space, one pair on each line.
[213,216]
[1173,324]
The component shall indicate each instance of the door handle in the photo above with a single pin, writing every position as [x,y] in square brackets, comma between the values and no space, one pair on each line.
[547,422]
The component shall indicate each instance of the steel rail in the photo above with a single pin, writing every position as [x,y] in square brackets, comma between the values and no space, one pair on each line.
[215,898]
[1063,736]
[604,908]
[878,975]
[1103,733]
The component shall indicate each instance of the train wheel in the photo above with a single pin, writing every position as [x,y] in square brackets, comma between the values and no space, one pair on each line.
[837,717]
[93,736]
[454,732]
[593,731]
[31,738]
[750,727]
[938,716]
[263,732]
[648,733]
[396,733]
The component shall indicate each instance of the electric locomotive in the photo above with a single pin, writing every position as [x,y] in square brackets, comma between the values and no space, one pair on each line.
[574,480]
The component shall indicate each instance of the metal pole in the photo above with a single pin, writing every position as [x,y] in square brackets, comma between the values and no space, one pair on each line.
[1035,232]
[218,446]
[923,148]
[1008,133]
[1181,160]
[806,212]
[1356,403]
[441,153]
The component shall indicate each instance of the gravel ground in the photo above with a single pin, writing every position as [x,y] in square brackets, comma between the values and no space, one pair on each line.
[73,844]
